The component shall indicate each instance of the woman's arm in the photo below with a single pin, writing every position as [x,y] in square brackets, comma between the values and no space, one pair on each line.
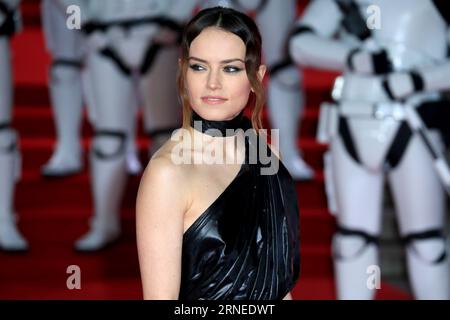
[160,208]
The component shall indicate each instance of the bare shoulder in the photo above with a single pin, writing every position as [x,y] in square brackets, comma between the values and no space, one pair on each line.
[164,170]
[164,174]
[160,207]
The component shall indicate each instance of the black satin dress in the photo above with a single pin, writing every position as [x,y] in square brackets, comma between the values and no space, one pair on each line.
[245,245]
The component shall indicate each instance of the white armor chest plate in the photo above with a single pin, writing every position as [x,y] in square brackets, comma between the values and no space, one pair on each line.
[130,44]
[412,31]
[113,10]
[414,35]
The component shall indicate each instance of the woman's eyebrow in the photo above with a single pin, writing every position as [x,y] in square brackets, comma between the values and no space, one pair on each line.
[223,61]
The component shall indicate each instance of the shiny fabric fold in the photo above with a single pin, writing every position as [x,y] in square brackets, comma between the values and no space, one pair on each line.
[245,245]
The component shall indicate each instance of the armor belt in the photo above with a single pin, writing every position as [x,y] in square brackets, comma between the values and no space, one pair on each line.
[162,21]
[152,49]
[150,54]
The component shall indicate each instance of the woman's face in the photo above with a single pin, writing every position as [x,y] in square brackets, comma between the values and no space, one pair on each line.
[216,79]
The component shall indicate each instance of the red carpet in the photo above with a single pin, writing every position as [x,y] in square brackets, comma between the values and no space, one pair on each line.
[53,213]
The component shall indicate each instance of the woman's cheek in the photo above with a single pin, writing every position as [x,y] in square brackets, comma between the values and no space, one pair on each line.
[193,91]
[243,92]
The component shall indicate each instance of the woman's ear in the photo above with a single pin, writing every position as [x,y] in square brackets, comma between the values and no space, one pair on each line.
[179,62]
[261,72]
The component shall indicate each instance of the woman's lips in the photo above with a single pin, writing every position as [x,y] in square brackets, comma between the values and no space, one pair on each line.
[213,100]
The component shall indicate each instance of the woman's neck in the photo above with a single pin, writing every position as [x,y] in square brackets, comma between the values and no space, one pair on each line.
[217,128]
[229,150]
[218,141]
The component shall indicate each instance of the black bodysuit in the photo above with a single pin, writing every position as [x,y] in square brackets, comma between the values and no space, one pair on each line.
[245,245]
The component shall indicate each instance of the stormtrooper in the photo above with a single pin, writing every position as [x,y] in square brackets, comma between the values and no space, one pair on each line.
[285,99]
[131,48]
[10,237]
[68,85]
[393,59]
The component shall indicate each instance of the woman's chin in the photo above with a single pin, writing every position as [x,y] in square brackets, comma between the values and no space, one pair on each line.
[216,113]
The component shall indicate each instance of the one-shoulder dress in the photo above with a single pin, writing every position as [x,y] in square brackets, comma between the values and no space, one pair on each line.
[245,245]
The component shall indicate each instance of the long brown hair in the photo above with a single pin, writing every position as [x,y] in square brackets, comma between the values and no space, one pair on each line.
[245,28]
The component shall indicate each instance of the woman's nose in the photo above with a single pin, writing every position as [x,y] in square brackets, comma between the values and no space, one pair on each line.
[214,81]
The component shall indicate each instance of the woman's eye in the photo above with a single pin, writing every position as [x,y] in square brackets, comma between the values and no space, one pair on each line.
[196,67]
[232,69]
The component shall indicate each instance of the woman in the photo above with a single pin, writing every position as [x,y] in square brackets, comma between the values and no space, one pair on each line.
[209,230]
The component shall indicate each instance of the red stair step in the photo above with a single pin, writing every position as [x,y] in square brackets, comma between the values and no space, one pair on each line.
[29,92]
[31,13]
[316,225]
[30,59]
[37,151]
[31,75]
[34,191]
[323,288]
